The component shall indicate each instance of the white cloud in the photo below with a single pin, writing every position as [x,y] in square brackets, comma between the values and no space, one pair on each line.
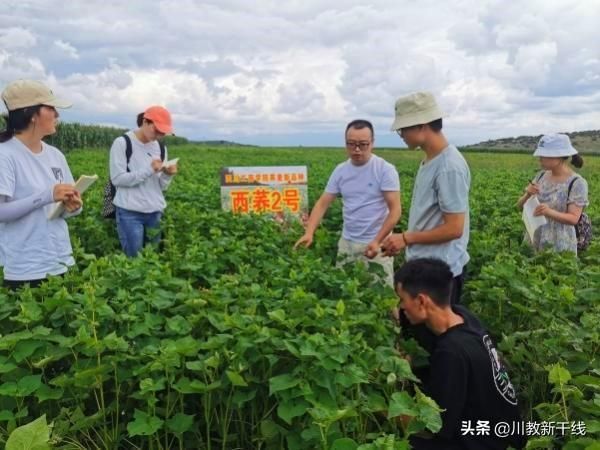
[250,70]
[16,38]
[67,49]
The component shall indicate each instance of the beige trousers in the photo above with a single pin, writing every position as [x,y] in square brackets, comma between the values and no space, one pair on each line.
[349,251]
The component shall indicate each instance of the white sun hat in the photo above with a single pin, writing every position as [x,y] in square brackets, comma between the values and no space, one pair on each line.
[555,146]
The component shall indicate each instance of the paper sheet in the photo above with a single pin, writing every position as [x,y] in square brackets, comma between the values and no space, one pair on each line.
[532,222]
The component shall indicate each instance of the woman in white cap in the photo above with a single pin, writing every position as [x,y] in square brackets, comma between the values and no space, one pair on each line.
[33,175]
[141,179]
[562,193]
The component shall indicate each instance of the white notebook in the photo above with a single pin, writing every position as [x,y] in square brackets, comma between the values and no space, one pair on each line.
[84,182]
[170,162]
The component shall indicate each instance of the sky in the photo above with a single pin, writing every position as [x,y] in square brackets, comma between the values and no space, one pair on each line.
[290,73]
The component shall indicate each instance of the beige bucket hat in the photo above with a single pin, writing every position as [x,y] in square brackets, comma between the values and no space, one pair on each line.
[416,109]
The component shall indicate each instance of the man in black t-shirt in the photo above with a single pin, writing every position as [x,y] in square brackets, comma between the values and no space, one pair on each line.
[466,377]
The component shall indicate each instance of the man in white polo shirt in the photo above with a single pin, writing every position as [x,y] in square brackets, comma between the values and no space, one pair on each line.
[438,222]
[370,191]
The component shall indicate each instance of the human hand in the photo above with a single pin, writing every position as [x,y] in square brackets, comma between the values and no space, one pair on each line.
[372,249]
[62,191]
[532,189]
[73,202]
[393,244]
[306,240]
[170,170]
[156,165]
[542,210]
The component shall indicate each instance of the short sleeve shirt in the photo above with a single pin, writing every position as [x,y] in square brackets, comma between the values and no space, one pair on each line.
[361,189]
[33,247]
[441,186]
[556,235]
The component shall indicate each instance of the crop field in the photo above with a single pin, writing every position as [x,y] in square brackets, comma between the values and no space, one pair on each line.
[225,338]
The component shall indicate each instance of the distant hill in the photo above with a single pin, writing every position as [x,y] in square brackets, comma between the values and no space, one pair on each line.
[224,143]
[584,141]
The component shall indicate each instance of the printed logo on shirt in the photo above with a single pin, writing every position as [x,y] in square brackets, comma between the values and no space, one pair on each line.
[501,379]
[58,174]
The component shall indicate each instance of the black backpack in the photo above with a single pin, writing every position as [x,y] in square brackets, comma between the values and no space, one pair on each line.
[108,209]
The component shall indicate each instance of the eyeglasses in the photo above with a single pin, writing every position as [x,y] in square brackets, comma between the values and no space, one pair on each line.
[363,146]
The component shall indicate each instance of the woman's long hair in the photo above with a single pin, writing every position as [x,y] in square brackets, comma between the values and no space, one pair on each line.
[17,121]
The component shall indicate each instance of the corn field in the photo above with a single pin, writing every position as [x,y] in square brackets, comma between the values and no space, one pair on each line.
[71,136]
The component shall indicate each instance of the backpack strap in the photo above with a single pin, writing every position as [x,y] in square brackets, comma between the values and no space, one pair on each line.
[128,149]
[161,144]
[571,186]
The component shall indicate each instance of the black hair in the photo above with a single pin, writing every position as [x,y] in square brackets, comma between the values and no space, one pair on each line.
[140,119]
[577,161]
[429,276]
[435,125]
[18,120]
[359,124]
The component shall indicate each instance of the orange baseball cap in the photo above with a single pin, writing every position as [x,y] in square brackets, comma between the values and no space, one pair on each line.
[161,118]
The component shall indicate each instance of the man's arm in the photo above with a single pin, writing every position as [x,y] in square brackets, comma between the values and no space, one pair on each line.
[448,386]
[451,228]
[452,188]
[314,220]
[392,199]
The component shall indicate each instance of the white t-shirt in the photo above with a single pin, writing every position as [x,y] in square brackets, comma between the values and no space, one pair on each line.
[361,189]
[33,247]
[140,189]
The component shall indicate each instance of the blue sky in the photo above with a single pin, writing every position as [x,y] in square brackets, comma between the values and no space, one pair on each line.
[295,72]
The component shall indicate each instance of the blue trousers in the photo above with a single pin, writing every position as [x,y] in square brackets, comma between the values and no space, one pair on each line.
[136,229]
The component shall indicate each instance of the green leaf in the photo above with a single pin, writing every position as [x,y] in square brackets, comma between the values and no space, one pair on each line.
[24,349]
[269,429]
[282,382]
[558,375]
[152,385]
[187,346]
[277,315]
[6,415]
[340,308]
[7,367]
[115,343]
[45,392]
[8,389]
[186,386]
[32,436]
[429,411]
[235,378]
[344,444]
[178,325]
[144,424]
[401,403]
[287,410]
[180,423]
[22,388]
